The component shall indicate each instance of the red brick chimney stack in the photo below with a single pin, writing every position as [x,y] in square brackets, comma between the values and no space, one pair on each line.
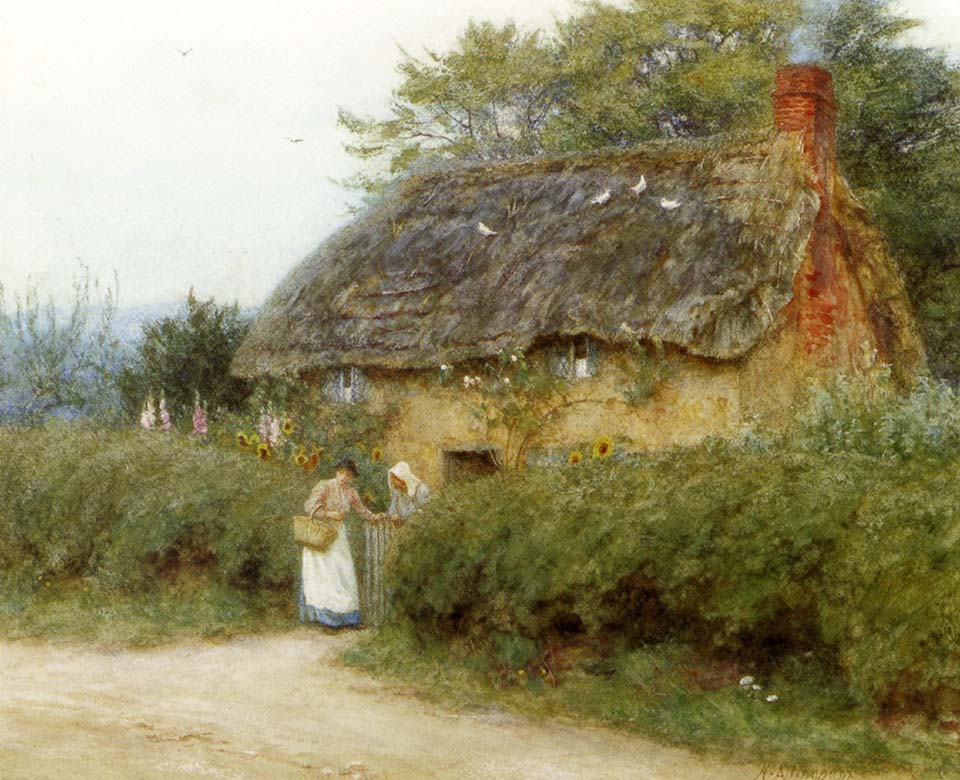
[804,101]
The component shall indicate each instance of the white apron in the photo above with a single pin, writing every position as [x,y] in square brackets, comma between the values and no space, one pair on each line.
[328,592]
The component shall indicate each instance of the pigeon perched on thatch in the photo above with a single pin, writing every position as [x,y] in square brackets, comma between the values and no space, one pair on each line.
[483,230]
[602,198]
[669,205]
[640,187]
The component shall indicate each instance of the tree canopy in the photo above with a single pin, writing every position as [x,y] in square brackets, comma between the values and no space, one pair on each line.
[186,356]
[617,75]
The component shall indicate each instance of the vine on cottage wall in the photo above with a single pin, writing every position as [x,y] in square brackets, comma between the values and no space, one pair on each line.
[648,372]
[514,400]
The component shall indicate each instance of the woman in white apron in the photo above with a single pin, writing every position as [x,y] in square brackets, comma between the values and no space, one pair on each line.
[407,494]
[328,593]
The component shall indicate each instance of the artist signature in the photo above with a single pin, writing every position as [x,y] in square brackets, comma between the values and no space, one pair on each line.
[785,772]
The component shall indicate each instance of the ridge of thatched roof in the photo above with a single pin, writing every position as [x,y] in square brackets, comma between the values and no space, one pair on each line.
[414,283]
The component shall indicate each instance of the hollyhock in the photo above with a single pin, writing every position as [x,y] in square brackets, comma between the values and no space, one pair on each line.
[148,416]
[200,427]
[165,423]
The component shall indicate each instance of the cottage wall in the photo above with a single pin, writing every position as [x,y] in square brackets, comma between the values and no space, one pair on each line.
[700,398]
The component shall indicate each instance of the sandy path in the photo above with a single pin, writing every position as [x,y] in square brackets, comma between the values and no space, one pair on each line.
[279,707]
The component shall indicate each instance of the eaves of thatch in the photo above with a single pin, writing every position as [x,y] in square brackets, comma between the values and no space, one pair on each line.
[413,283]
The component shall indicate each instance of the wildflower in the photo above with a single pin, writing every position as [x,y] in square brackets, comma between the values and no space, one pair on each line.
[200,427]
[243,441]
[513,358]
[772,698]
[444,367]
[603,447]
[506,380]
[263,451]
[300,460]
[148,417]
[575,457]
[287,427]
[165,423]
[521,673]
[757,687]
[377,454]
[745,681]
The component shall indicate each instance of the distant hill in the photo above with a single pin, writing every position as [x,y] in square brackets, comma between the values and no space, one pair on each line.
[129,320]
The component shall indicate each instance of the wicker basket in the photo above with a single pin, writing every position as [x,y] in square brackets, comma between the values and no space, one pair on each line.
[314,533]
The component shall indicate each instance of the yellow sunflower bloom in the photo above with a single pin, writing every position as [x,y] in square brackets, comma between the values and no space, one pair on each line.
[377,454]
[243,440]
[575,457]
[288,427]
[300,459]
[603,447]
[263,451]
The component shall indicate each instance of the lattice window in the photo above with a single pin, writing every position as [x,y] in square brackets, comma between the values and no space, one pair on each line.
[345,386]
[578,358]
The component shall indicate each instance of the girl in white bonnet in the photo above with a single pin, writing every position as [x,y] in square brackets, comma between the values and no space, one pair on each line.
[407,491]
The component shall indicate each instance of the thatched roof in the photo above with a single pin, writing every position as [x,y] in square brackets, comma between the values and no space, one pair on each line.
[413,283]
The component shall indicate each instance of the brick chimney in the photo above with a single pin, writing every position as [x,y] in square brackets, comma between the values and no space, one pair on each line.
[804,102]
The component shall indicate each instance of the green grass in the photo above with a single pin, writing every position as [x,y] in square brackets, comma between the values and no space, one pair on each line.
[814,725]
[80,611]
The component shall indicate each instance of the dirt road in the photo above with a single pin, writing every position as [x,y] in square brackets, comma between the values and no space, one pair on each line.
[280,707]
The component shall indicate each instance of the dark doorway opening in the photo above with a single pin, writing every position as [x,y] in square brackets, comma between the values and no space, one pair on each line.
[467,465]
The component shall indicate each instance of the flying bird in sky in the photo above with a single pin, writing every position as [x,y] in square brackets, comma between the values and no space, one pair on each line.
[294,140]
[184,52]
[483,230]
[640,187]
[669,205]
[602,198]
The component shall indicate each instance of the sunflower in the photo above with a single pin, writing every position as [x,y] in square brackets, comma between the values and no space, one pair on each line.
[287,427]
[575,457]
[263,451]
[300,459]
[243,441]
[603,447]
[377,454]
[311,463]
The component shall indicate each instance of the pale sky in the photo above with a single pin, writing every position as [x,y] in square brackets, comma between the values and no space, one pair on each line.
[174,171]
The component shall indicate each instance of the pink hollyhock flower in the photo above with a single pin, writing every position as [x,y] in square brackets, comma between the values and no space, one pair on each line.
[263,430]
[200,427]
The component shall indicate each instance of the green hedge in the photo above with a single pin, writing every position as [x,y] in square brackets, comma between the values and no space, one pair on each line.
[140,536]
[763,554]
[135,509]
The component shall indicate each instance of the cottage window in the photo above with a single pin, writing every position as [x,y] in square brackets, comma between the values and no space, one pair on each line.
[345,386]
[577,358]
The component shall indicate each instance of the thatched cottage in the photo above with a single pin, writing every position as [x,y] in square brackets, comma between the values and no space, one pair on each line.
[749,260]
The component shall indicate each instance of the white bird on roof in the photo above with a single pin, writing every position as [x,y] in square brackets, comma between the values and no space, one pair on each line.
[602,198]
[640,187]
[483,230]
[669,205]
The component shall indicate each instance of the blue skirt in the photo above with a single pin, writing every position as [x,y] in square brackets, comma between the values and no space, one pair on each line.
[310,614]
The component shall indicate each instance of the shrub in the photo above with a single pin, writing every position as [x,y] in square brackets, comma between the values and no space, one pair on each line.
[759,554]
[132,510]
[873,419]
[60,364]
[185,355]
